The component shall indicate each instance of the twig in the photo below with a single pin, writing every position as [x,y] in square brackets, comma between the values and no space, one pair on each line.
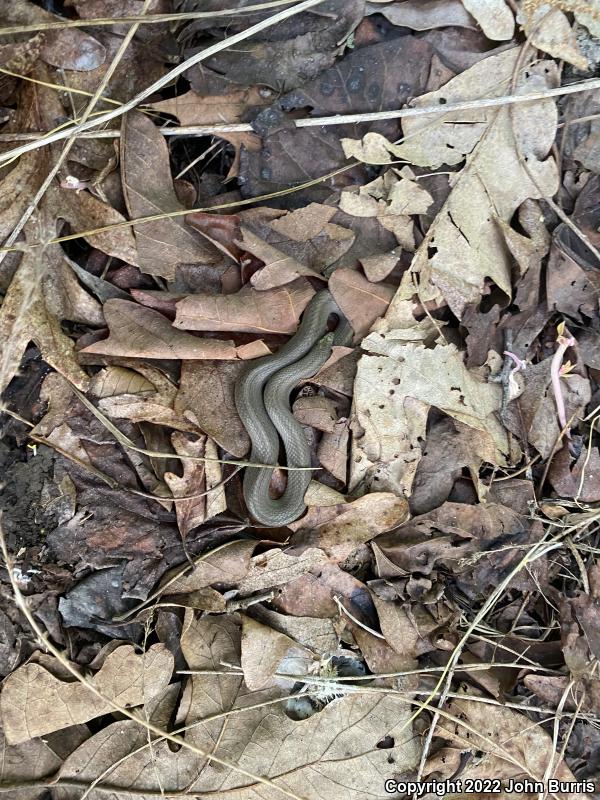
[148,20]
[164,80]
[309,122]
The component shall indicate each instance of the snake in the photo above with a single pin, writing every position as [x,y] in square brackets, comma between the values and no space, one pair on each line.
[262,398]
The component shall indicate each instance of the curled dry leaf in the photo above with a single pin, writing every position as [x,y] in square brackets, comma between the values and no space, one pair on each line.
[34,702]
[278,269]
[510,746]
[335,750]
[266,651]
[139,332]
[272,311]
[549,29]
[224,566]
[199,478]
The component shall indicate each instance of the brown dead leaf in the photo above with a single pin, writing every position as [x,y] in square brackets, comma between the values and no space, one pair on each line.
[332,451]
[319,412]
[392,397]
[266,651]
[364,80]
[27,315]
[225,566]
[272,311]
[112,381]
[423,15]
[447,536]
[34,702]
[148,187]
[330,751]
[361,301]
[338,531]
[206,390]
[198,478]
[508,746]
[493,16]
[276,568]
[278,269]
[140,332]
[456,255]
[549,30]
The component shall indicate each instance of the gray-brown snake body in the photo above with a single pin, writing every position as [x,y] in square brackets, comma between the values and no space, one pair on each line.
[262,399]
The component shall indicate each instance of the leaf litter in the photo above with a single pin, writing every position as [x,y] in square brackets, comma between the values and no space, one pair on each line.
[432,616]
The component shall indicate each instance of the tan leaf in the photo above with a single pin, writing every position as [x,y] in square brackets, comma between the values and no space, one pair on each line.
[378,267]
[508,747]
[392,396]
[264,649]
[275,568]
[550,30]
[192,108]
[206,389]
[226,565]
[272,311]
[494,17]
[85,212]
[332,450]
[339,531]
[318,411]
[112,381]
[361,301]
[278,269]
[34,702]
[198,478]
[423,15]
[464,246]
[148,187]
[141,332]
[334,753]
[25,317]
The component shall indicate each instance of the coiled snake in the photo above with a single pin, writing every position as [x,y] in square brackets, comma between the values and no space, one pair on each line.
[262,395]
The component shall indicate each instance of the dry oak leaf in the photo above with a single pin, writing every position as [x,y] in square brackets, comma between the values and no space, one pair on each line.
[266,651]
[276,568]
[464,246]
[34,702]
[340,530]
[192,108]
[251,311]
[27,314]
[423,15]
[549,29]
[206,390]
[332,451]
[507,744]
[278,269]
[306,234]
[393,393]
[361,301]
[334,753]
[163,243]
[199,478]
[140,332]
[494,16]
[225,565]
